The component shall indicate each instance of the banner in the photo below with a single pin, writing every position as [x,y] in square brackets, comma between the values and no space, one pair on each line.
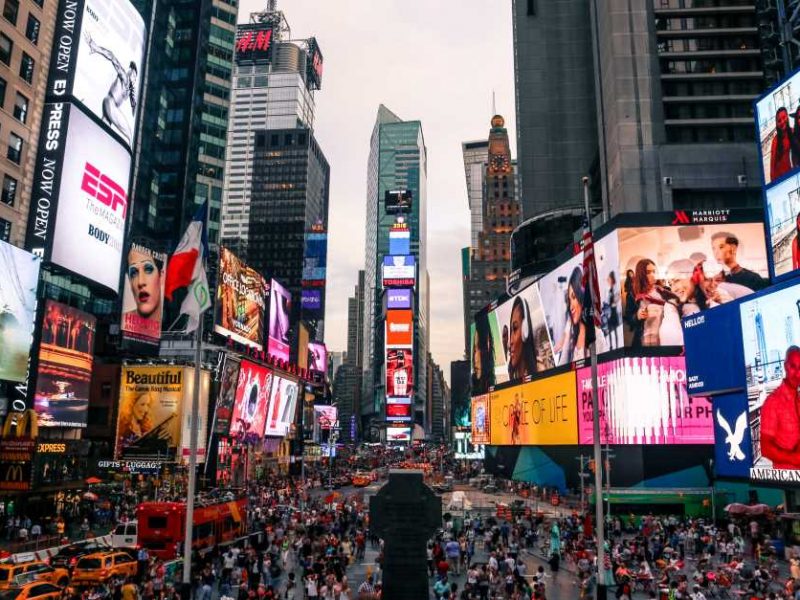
[540,413]
[399,329]
[282,407]
[19,274]
[150,406]
[399,373]
[227,395]
[280,311]
[16,463]
[143,295]
[480,420]
[317,357]
[251,403]
[240,310]
[202,416]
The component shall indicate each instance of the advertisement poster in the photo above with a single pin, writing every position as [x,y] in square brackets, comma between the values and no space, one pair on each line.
[783,224]
[399,372]
[64,377]
[311,300]
[251,402]
[398,299]
[227,395]
[542,412]
[733,446]
[317,357]
[282,407]
[109,68]
[399,271]
[280,310]
[19,277]
[398,434]
[150,406]
[16,464]
[398,411]
[397,201]
[480,420]
[399,329]
[643,401]
[776,118]
[325,416]
[399,241]
[676,272]
[92,203]
[241,306]
[466,449]
[202,416]
[315,259]
[143,295]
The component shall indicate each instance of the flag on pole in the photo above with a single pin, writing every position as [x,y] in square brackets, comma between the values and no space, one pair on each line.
[186,269]
[591,287]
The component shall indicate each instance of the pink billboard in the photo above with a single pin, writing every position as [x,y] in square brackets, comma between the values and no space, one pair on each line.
[643,400]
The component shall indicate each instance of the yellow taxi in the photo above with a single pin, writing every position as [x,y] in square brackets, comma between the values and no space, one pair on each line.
[102,566]
[15,574]
[35,590]
[361,480]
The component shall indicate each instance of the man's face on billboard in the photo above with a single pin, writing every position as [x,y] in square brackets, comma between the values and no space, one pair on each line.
[792,367]
[724,253]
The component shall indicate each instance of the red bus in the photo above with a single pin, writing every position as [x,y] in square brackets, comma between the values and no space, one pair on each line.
[161,525]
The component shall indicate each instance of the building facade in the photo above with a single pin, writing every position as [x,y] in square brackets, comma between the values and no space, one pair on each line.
[26,38]
[475,155]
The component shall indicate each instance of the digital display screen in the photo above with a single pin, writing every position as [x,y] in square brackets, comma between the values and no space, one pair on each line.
[143,295]
[241,305]
[280,310]
[252,401]
[398,434]
[282,407]
[317,357]
[480,419]
[399,271]
[399,329]
[20,272]
[399,372]
[397,201]
[776,119]
[733,445]
[398,299]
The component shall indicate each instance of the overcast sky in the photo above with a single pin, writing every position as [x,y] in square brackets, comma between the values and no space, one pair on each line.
[437,61]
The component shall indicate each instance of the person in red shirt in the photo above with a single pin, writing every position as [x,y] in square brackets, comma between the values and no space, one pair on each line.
[796,243]
[780,417]
[780,161]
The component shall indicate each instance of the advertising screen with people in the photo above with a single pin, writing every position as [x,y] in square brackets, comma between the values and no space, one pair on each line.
[280,312]
[143,295]
[778,121]
[480,419]
[399,372]
[318,357]
[64,377]
[282,407]
[783,225]
[241,307]
[227,395]
[251,402]
[19,277]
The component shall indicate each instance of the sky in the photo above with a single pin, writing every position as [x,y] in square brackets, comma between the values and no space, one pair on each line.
[436,61]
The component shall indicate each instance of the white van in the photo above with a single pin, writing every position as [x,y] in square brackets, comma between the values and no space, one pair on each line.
[125,535]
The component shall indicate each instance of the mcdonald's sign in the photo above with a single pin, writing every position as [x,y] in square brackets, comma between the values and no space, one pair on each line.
[16,464]
[23,424]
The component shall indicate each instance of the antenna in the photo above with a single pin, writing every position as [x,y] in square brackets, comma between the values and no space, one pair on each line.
[494,107]
[272,5]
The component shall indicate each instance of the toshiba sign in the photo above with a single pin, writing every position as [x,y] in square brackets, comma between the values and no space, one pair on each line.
[399,329]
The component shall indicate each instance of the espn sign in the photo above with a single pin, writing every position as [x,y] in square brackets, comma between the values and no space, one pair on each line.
[399,331]
[104,189]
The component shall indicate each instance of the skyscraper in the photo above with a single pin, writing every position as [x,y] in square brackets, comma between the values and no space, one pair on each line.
[476,156]
[397,161]
[180,157]
[272,90]
[347,383]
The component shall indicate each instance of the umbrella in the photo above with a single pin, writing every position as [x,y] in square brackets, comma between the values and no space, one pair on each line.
[91,496]
[93,480]
[737,509]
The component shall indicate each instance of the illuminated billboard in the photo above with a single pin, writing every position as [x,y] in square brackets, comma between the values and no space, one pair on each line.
[311,299]
[227,395]
[783,225]
[202,416]
[398,434]
[314,64]
[399,271]
[733,445]
[315,257]
[251,402]
[776,119]
[398,411]
[280,310]
[399,331]
[399,241]
[542,412]
[143,295]
[397,201]
[399,372]
[150,406]
[465,448]
[399,298]
[253,43]
[64,374]
[282,407]
[481,420]
[317,357]
[241,306]
[643,401]
[19,278]
[98,51]
[325,416]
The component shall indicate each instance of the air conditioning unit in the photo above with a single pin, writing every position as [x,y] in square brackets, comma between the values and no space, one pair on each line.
[667,181]
[742,179]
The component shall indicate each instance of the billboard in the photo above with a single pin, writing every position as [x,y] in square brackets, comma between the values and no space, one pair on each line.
[399,372]
[775,112]
[64,374]
[282,407]
[315,257]
[465,449]
[317,357]
[399,242]
[227,395]
[399,271]
[150,408]
[80,193]
[19,278]
[713,349]
[783,225]
[399,409]
[480,419]
[398,434]
[542,413]
[280,310]
[97,59]
[143,295]
[240,310]
[325,416]
[253,42]
[397,201]
[398,299]
[399,329]
[311,299]
[679,271]
[202,415]
[733,446]
[314,64]
[643,401]
[251,402]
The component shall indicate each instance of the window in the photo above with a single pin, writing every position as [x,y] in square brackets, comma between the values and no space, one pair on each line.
[21,108]
[14,153]
[32,29]
[9,190]
[157,522]
[2,92]
[6,46]
[11,10]
[5,230]
[26,66]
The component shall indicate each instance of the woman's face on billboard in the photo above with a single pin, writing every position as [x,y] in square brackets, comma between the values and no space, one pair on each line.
[515,337]
[575,308]
[145,281]
[141,407]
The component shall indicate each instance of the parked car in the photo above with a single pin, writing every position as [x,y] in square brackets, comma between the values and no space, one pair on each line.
[102,566]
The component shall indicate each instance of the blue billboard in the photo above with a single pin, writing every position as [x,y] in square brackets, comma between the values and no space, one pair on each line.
[315,257]
[714,353]
[733,446]
[399,242]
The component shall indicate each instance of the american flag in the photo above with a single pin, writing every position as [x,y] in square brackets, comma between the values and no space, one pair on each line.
[591,287]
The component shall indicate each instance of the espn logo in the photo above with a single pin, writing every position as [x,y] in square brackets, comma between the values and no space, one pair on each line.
[104,189]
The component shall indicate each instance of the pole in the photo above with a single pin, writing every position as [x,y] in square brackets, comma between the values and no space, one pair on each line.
[187,538]
[598,455]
